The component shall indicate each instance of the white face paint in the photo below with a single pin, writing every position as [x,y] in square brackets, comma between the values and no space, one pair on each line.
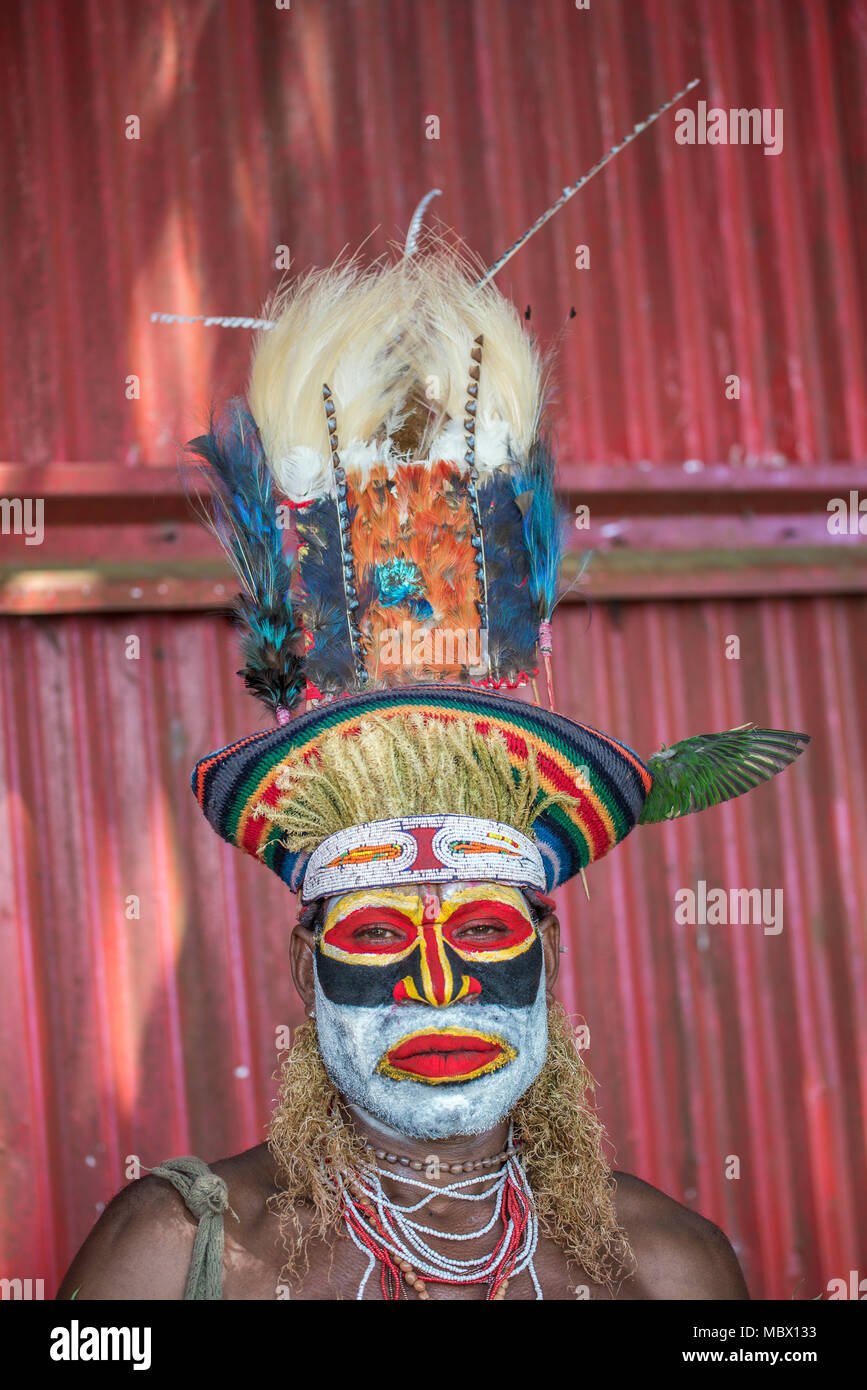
[353,1041]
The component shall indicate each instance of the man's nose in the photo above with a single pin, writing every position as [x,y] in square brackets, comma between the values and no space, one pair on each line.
[433,981]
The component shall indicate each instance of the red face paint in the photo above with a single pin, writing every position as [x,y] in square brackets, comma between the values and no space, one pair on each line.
[454,1055]
[372,931]
[498,927]
[478,940]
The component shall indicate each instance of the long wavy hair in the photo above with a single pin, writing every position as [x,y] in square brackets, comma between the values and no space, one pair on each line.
[561,1141]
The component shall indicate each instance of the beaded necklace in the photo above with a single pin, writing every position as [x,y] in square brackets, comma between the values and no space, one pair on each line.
[389,1235]
[475,1167]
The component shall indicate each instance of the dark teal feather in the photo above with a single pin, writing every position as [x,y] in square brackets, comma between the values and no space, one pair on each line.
[330,663]
[243,516]
[513,615]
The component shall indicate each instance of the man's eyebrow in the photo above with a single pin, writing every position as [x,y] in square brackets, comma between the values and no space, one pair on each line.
[407,905]
[490,893]
[403,897]
[376,907]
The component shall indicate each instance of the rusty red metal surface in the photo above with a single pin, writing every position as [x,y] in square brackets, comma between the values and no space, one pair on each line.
[306,128]
[263,128]
[156,1034]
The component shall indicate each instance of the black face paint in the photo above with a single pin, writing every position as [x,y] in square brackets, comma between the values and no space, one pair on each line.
[432,971]
[510,982]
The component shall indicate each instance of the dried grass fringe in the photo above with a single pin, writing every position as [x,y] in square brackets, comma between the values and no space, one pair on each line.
[408,764]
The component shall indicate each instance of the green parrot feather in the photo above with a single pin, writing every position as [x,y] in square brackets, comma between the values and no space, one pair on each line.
[710,768]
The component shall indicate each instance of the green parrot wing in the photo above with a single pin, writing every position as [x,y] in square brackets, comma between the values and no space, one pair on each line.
[710,768]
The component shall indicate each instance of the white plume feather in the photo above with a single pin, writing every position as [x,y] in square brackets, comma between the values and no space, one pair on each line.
[393,343]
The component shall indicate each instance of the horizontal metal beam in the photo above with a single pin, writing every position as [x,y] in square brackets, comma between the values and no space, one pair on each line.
[126,539]
[693,479]
[687,480]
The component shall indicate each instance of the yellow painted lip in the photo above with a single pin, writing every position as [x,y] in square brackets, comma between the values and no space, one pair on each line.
[497,1053]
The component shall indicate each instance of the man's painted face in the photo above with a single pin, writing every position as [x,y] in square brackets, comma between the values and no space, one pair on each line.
[430,1003]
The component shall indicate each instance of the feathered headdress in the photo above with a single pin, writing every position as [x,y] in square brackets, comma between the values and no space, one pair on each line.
[398,411]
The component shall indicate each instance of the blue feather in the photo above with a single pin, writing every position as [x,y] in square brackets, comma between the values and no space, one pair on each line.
[399,582]
[543,525]
[243,516]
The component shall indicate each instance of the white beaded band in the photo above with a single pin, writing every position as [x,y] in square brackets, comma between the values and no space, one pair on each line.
[419,849]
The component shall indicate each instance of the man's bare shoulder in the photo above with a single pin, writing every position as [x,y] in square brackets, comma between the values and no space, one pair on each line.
[678,1254]
[141,1246]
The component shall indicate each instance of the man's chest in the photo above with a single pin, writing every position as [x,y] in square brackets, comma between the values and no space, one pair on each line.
[336,1270]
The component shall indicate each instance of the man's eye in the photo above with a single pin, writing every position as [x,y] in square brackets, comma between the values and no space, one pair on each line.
[479,931]
[377,934]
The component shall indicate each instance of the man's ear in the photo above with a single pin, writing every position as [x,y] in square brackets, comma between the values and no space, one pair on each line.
[549,930]
[301,946]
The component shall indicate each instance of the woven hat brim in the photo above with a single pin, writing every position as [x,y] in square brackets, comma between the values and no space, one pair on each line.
[606,781]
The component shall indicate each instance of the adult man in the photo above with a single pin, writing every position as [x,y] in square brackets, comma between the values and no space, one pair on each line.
[432,1138]
[142,1246]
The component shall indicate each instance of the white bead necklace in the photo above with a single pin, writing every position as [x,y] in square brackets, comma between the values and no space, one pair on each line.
[405,1238]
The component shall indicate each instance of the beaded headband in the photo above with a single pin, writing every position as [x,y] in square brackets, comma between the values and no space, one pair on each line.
[421,849]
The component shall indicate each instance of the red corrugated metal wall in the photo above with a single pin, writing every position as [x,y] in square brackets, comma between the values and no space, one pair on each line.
[306,127]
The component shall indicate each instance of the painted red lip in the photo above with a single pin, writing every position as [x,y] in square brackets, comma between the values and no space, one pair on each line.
[445,1056]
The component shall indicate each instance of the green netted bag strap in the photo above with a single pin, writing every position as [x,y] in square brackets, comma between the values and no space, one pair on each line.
[207,1199]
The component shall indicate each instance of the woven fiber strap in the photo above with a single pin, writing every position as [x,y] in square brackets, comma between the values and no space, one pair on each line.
[207,1199]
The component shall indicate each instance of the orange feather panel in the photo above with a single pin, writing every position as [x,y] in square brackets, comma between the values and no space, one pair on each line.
[418,520]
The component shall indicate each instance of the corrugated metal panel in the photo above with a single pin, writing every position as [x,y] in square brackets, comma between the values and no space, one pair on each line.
[156,1035]
[728,1040]
[306,127]
[262,127]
